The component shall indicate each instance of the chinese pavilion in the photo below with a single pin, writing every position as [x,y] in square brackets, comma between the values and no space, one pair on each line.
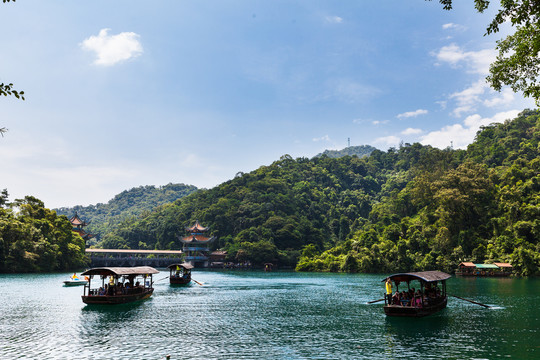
[196,245]
[78,225]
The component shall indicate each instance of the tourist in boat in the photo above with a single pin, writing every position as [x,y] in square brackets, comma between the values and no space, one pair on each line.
[396,298]
[389,290]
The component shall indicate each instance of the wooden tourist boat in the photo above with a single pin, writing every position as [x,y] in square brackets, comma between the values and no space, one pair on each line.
[74,280]
[496,269]
[426,300]
[180,274]
[119,285]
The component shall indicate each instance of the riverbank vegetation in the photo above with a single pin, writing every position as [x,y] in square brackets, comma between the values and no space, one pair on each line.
[35,239]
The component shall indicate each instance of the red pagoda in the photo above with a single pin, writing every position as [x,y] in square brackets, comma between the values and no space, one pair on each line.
[196,245]
[78,225]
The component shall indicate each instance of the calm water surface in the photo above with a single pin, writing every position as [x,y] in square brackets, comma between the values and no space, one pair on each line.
[256,315]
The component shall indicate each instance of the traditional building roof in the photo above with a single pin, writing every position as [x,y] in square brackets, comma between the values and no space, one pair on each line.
[197,239]
[78,225]
[197,227]
[76,221]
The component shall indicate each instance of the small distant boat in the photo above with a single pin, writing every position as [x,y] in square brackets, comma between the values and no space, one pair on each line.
[74,280]
[180,274]
[428,299]
[119,285]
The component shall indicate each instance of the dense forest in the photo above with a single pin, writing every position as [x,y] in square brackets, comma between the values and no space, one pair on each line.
[133,203]
[35,239]
[410,208]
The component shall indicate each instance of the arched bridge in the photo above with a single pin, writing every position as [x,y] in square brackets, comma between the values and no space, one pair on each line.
[124,257]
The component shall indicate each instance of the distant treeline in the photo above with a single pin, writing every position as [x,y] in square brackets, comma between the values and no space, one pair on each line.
[129,204]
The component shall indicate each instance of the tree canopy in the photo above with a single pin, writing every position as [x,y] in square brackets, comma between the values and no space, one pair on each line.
[35,239]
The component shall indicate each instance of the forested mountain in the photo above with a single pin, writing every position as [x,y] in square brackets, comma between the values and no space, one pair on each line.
[34,239]
[411,208]
[484,206]
[360,151]
[103,218]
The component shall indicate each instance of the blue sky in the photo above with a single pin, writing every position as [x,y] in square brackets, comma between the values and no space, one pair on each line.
[127,93]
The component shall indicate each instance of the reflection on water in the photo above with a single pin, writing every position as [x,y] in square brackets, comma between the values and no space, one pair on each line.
[256,315]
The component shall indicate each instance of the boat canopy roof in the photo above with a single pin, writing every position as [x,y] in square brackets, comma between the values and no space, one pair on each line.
[426,276]
[486,266]
[467,264]
[119,271]
[503,265]
[186,266]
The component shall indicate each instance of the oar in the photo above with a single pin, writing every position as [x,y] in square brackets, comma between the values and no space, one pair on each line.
[374,301]
[474,302]
[160,279]
[196,281]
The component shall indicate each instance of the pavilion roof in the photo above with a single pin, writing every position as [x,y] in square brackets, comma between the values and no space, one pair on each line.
[197,239]
[196,227]
[76,220]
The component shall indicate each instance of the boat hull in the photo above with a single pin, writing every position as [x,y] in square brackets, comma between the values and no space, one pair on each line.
[179,280]
[410,311]
[116,299]
[75,282]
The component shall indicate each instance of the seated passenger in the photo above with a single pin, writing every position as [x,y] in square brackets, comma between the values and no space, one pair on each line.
[396,298]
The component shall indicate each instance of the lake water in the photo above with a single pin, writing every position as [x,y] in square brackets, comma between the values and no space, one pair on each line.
[256,315]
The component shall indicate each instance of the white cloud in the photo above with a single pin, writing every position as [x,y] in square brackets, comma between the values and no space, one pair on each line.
[333,19]
[388,140]
[411,131]
[461,135]
[506,97]
[113,49]
[475,61]
[452,26]
[412,113]
[468,99]
[322,138]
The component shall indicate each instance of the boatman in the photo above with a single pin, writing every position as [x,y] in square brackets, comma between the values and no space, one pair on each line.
[389,291]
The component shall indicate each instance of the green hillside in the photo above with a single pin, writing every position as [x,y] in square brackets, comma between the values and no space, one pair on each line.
[103,218]
[411,208]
